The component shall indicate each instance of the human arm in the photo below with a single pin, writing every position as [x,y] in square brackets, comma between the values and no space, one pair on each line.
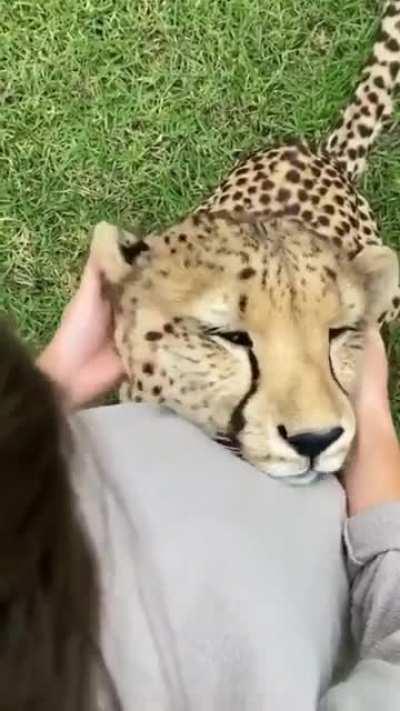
[373,476]
[372,540]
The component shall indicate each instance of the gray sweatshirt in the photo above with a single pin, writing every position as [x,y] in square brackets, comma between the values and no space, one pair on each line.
[224,590]
[372,541]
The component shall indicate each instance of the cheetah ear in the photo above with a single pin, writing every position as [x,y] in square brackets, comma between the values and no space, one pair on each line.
[379,266]
[115,250]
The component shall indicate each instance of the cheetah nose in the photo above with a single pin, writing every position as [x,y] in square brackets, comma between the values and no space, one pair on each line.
[311,444]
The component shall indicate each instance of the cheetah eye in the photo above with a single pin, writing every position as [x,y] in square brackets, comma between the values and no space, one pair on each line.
[239,338]
[337,332]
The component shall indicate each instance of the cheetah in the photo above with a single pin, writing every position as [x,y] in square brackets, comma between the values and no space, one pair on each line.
[248,316]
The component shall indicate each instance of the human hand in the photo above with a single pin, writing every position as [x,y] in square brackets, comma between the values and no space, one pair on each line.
[81,357]
[373,475]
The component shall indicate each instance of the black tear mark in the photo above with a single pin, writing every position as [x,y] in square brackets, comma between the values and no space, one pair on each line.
[237,420]
[130,252]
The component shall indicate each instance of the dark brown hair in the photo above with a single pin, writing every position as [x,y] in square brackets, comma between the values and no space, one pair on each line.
[49,598]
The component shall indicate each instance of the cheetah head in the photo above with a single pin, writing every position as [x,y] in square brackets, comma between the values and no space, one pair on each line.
[252,329]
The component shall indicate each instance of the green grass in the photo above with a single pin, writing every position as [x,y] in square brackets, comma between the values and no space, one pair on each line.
[131,110]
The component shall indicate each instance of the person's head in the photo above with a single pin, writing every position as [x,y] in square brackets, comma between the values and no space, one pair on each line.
[49,600]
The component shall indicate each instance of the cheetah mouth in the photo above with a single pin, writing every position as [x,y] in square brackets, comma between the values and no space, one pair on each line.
[307,476]
[230,443]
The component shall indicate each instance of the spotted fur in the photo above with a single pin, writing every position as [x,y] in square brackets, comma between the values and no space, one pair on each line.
[248,316]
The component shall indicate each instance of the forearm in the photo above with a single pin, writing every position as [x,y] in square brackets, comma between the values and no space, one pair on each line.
[373,477]
[372,540]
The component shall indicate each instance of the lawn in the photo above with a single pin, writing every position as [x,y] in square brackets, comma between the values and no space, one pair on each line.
[131,110]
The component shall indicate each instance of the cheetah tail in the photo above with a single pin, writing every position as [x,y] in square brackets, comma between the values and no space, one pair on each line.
[372,105]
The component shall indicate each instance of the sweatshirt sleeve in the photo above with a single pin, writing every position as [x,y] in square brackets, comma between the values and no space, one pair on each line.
[372,541]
